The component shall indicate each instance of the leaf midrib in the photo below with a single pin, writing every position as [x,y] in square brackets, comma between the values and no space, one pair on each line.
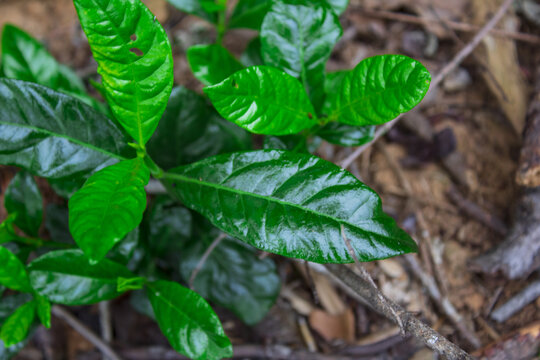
[76,141]
[267,198]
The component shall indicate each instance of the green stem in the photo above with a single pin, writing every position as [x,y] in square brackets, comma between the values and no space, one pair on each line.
[221,26]
[154,168]
[37,242]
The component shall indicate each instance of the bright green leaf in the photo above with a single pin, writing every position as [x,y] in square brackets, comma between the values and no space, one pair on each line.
[12,272]
[196,7]
[346,135]
[134,59]
[10,303]
[43,311]
[290,204]
[53,135]
[109,205]
[16,327]
[378,90]
[24,199]
[249,14]
[187,124]
[212,63]
[67,277]
[134,283]
[7,232]
[338,6]
[263,100]
[298,37]
[232,276]
[188,322]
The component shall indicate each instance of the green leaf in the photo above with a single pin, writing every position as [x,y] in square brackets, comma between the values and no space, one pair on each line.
[16,327]
[378,90]
[134,283]
[109,205]
[68,277]
[134,59]
[188,322]
[232,276]
[8,304]
[249,14]
[263,100]
[195,7]
[252,54]
[24,58]
[57,223]
[290,204]
[53,135]
[187,124]
[7,232]
[338,6]
[346,135]
[298,37]
[24,199]
[44,311]
[12,272]
[124,252]
[212,63]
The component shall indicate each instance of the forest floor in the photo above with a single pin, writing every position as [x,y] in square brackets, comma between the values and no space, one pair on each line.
[446,173]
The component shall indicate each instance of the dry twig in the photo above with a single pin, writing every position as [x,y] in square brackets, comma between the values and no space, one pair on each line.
[205,256]
[447,69]
[85,332]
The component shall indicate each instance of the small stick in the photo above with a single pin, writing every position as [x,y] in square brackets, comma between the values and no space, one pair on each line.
[205,256]
[517,302]
[447,69]
[85,332]
[454,25]
[105,321]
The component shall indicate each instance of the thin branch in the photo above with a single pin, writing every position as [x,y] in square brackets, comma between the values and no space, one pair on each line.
[454,25]
[85,332]
[362,290]
[447,69]
[205,256]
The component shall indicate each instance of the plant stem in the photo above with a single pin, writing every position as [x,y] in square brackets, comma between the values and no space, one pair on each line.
[221,26]
[154,168]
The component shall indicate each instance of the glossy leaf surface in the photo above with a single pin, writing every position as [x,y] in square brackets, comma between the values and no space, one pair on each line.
[263,100]
[212,63]
[196,7]
[23,199]
[109,205]
[43,309]
[12,272]
[378,90]
[232,276]
[249,14]
[16,327]
[187,125]
[134,59]
[298,37]
[290,204]
[54,135]
[346,135]
[67,277]
[188,322]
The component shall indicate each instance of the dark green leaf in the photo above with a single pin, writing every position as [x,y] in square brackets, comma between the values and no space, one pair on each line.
[249,14]
[124,252]
[212,63]
[67,277]
[24,199]
[378,90]
[252,54]
[298,37]
[290,204]
[12,272]
[134,59]
[10,303]
[139,301]
[195,7]
[54,135]
[57,223]
[263,100]
[346,135]
[16,327]
[168,226]
[109,205]
[187,124]
[43,311]
[188,322]
[232,276]
[24,58]
[287,142]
